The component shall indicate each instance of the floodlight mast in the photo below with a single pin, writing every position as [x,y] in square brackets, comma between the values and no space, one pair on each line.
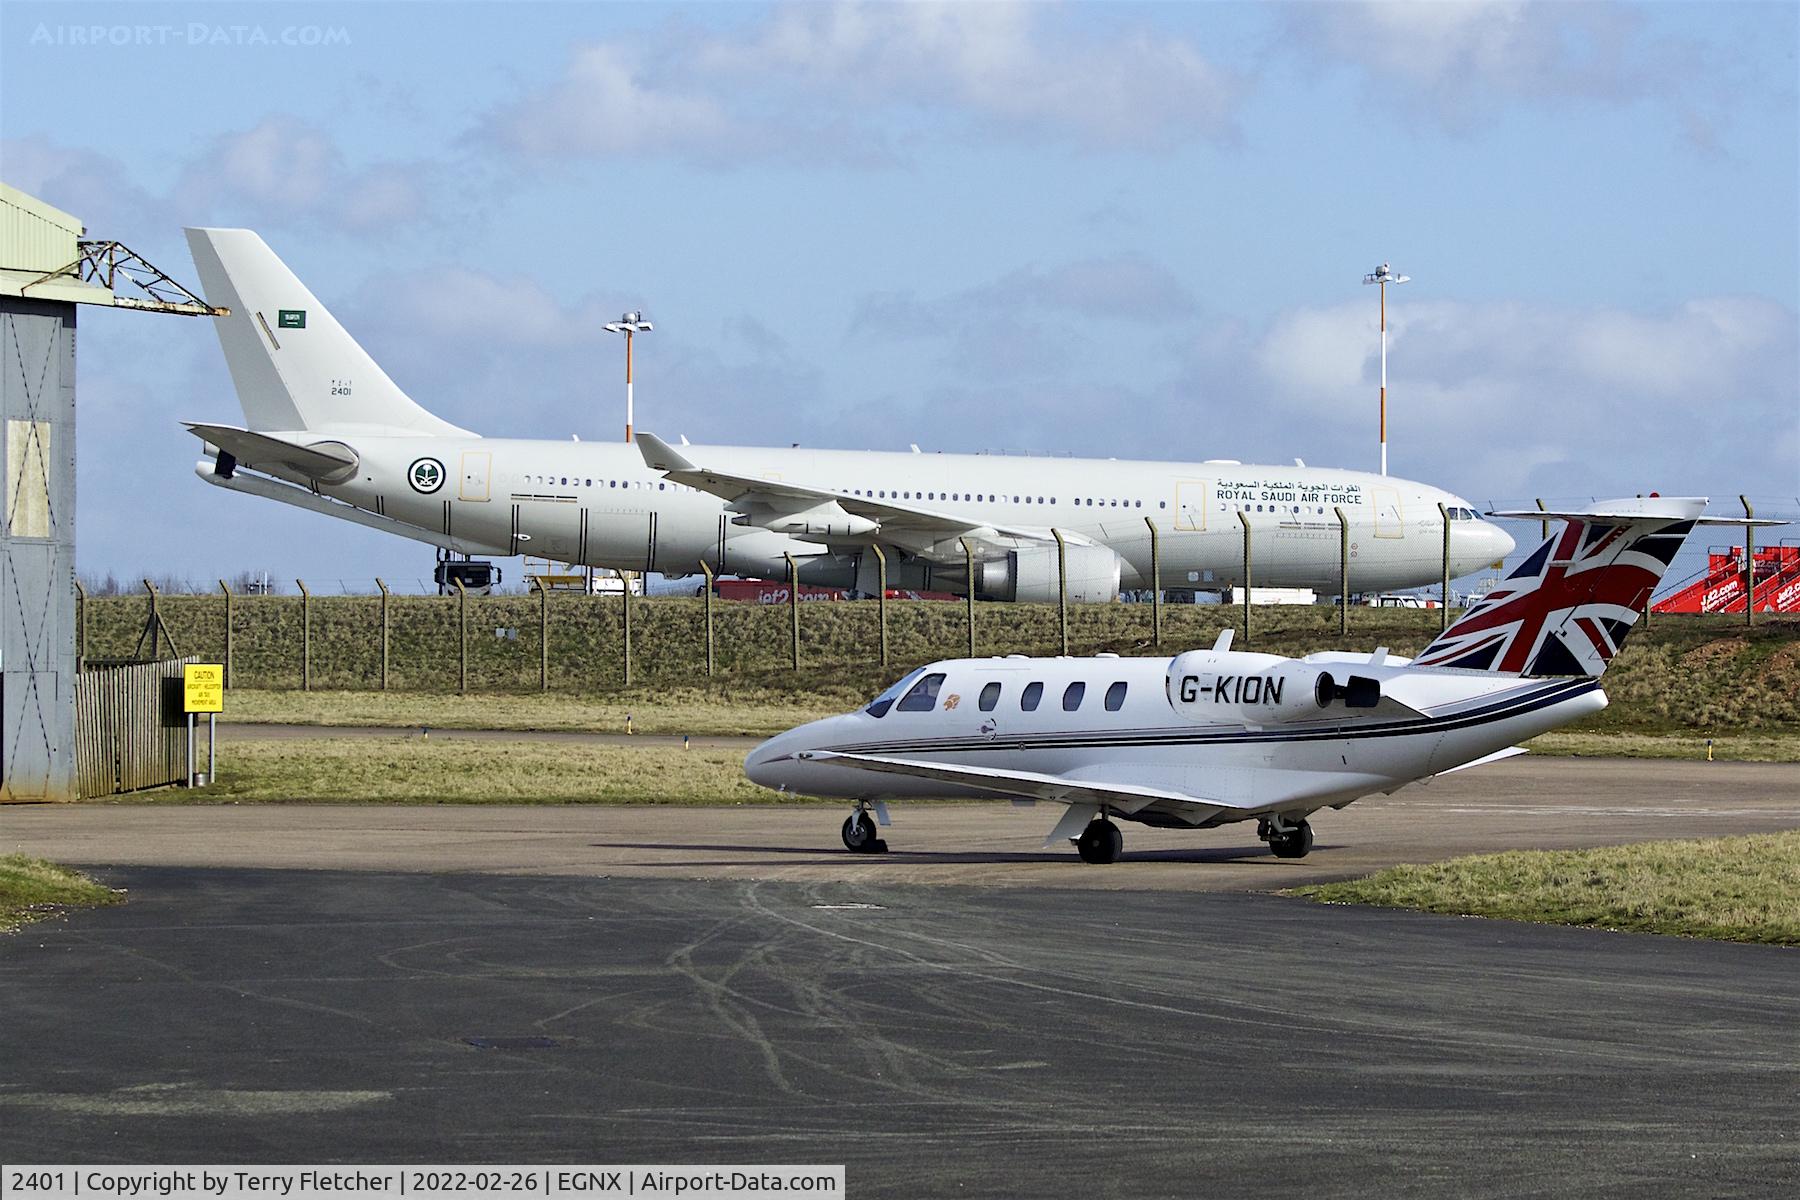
[629,324]
[1384,275]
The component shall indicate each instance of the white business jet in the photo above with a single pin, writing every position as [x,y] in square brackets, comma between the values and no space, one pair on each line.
[328,431]
[1214,736]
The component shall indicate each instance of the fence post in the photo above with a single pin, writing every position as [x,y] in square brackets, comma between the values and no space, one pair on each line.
[155,629]
[305,636]
[969,566]
[881,598]
[384,632]
[793,608]
[1343,572]
[1544,525]
[1244,519]
[1749,562]
[706,610]
[1444,621]
[543,633]
[625,598]
[462,636]
[80,625]
[223,587]
[1155,585]
[1062,590]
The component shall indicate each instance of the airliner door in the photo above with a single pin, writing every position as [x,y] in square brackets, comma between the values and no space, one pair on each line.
[477,467]
[1192,497]
[1390,522]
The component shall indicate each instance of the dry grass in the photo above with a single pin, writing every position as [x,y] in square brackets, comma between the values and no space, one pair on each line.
[1776,747]
[1744,889]
[415,770]
[745,710]
[32,889]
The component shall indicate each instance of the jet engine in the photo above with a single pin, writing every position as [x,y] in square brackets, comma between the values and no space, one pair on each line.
[1030,575]
[1258,689]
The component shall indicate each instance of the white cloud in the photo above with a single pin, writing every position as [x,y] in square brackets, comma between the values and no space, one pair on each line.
[605,104]
[1706,394]
[1461,63]
[284,170]
[844,81]
[95,187]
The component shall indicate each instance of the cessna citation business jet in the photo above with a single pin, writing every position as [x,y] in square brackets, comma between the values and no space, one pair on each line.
[328,431]
[1213,736]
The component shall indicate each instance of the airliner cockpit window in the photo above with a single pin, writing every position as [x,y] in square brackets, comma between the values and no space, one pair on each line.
[879,705]
[923,696]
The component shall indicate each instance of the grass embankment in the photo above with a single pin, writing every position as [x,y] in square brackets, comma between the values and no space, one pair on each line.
[418,770]
[32,889]
[1742,889]
[1678,681]
[733,709]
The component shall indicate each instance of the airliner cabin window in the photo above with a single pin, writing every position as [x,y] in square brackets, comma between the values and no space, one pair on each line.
[924,694]
[1115,697]
[878,707]
[1072,696]
[1028,699]
[990,696]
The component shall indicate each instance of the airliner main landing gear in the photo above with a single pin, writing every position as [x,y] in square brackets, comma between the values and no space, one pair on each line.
[861,835]
[1287,838]
[1100,842]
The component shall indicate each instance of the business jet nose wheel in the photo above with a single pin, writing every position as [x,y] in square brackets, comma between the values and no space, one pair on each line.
[1287,839]
[860,835]
[1100,842]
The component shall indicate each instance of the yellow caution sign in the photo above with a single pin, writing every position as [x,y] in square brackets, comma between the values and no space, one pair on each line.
[203,688]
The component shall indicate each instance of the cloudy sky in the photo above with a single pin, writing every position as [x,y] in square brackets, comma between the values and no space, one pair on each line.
[1106,229]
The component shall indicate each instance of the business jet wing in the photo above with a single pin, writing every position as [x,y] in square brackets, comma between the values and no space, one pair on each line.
[325,461]
[1124,797]
[822,512]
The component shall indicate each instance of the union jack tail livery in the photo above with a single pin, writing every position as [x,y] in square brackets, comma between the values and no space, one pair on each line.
[1567,608]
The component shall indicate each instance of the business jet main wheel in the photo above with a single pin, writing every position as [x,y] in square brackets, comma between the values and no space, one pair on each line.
[1292,844]
[860,835]
[1100,842]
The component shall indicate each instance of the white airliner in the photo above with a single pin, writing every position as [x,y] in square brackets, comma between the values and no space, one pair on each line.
[1214,736]
[328,431]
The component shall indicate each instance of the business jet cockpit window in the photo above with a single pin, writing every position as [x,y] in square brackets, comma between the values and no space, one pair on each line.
[878,707]
[924,694]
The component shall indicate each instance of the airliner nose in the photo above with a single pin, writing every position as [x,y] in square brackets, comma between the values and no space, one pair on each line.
[1496,542]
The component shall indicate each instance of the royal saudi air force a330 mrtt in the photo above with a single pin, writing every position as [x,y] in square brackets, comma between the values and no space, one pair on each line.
[328,431]
[1217,735]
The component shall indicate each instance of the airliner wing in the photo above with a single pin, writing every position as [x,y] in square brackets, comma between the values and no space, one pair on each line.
[779,503]
[1125,797]
[326,461]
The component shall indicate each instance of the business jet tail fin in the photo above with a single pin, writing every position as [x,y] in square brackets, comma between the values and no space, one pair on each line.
[1566,609]
[294,366]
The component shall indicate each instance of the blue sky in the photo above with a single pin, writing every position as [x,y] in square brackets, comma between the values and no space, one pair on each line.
[1109,229]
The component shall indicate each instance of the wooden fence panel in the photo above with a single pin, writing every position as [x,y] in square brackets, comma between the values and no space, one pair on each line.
[129,733]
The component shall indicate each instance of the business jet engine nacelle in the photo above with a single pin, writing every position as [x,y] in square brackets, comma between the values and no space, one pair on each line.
[1211,686]
[1030,575]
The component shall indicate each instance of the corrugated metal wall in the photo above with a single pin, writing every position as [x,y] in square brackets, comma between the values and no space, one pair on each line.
[130,732]
[37,550]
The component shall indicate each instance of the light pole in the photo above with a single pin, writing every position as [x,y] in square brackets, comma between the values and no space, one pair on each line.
[1382,275]
[630,323]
